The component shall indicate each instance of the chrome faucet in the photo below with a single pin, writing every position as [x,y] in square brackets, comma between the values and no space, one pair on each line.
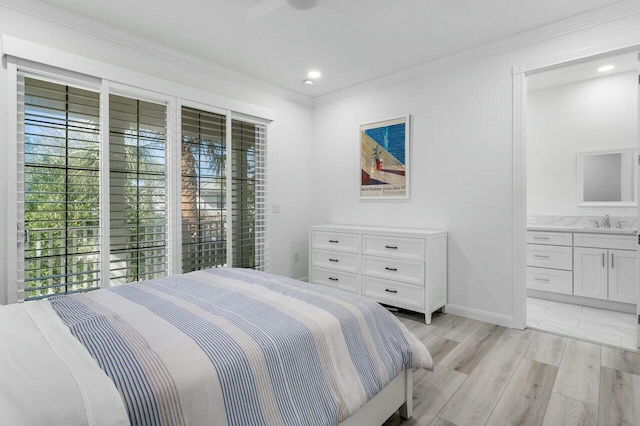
[606,222]
[595,224]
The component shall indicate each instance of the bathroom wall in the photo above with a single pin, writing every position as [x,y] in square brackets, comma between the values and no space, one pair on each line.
[589,115]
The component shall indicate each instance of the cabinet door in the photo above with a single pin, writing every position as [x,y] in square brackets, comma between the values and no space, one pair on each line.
[590,268]
[622,276]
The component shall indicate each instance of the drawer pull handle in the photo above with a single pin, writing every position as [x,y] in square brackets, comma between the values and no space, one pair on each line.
[540,238]
[391,247]
[390,291]
[539,255]
[334,241]
[541,279]
[612,261]
[333,260]
[333,279]
[603,260]
[391,269]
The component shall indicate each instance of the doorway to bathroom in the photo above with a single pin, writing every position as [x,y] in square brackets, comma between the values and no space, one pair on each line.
[581,130]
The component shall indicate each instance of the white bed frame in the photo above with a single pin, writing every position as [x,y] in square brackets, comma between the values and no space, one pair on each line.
[396,395]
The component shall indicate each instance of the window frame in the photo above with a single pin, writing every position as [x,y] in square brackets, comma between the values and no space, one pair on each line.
[44,63]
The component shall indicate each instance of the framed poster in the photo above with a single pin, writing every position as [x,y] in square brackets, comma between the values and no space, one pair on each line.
[384,159]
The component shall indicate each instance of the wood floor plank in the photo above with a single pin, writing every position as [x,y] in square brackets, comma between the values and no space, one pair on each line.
[433,391]
[468,353]
[546,348]
[473,403]
[569,412]
[459,328]
[439,347]
[439,319]
[626,361]
[579,372]
[439,421]
[430,392]
[620,398]
[526,397]
[409,323]
[424,332]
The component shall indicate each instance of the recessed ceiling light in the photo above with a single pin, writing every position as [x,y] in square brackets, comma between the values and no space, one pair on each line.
[606,68]
[309,82]
[314,74]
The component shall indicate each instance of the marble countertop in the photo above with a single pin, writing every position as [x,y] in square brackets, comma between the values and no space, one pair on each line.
[586,229]
[583,224]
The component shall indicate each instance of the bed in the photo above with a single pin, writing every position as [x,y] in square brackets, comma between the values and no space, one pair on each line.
[220,346]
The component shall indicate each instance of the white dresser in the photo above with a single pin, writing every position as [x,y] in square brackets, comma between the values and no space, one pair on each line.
[406,268]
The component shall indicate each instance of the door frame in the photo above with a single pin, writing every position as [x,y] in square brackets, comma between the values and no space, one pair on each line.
[519,159]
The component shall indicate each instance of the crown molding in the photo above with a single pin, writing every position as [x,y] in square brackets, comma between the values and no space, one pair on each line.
[127,39]
[580,22]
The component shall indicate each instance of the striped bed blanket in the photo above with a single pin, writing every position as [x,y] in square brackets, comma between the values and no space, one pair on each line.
[237,347]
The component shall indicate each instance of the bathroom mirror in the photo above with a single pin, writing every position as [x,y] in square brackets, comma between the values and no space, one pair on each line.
[607,178]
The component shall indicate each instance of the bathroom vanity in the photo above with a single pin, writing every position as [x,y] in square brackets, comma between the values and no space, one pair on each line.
[592,263]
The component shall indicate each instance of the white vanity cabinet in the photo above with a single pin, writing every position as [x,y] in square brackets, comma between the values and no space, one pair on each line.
[399,267]
[550,261]
[596,265]
[590,271]
[622,276]
[605,266]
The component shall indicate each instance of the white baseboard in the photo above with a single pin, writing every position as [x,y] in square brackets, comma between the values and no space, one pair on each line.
[476,314]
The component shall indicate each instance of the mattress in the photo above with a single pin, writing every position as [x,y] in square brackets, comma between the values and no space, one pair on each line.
[219,346]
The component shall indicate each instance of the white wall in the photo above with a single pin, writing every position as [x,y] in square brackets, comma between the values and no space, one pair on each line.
[589,115]
[289,155]
[462,162]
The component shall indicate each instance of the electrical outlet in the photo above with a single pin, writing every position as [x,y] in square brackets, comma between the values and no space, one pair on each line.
[276,208]
[532,219]
[296,257]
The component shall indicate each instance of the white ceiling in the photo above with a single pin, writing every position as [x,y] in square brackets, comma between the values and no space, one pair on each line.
[583,71]
[280,47]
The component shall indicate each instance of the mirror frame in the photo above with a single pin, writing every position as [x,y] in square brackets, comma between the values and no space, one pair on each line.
[580,175]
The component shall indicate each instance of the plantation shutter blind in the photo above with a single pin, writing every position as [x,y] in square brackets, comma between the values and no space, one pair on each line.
[137,181]
[58,188]
[203,190]
[249,195]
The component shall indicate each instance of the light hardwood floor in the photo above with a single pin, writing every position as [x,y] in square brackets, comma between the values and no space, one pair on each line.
[490,375]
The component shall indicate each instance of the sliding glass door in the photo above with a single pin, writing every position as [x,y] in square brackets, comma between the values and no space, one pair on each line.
[59,187]
[137,199]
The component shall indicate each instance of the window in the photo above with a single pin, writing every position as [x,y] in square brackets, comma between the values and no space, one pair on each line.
[58,189]
[248,191]
[137,186]
[204,188]
[136,205]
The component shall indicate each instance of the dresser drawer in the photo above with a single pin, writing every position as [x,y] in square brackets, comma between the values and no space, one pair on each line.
[393,293]
[340,241]
[550,238]
[335,260]
[338,279]
[607,241]
[396,269]
[552,280]
[556,257]
[395,247]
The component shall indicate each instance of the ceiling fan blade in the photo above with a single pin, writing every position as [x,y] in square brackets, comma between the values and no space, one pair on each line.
[356,9]
[265,7]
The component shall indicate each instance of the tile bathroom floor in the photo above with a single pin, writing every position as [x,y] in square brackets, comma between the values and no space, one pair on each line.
[583,322]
